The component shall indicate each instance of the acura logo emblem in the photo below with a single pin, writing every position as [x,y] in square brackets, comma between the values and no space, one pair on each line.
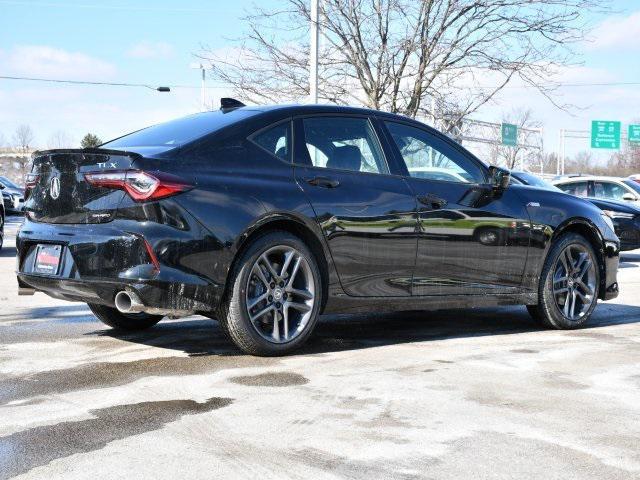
[54,190]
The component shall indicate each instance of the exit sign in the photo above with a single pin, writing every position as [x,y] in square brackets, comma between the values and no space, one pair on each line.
[634,133]
[509,134]
[605,134]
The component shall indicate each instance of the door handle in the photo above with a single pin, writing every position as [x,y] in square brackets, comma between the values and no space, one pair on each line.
[432,201]
[325,182]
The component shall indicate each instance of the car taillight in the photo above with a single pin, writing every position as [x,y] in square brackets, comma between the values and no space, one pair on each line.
[141,186]
[30,180]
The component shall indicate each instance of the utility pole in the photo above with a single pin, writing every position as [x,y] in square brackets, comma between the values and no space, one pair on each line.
[313,53]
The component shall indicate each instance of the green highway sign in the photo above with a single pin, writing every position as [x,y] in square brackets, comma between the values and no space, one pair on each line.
[509,134]
[634,133]
[605,134]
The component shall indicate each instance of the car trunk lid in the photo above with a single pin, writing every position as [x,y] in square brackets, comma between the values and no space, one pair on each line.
[59,192]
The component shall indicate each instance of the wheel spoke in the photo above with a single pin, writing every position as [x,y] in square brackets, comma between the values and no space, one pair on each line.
[255,301]
[560,291]
[561,279]
[303,307]
[566,262]
[573,304]
[258,270]
[585,267]
[287,261]
[267,264]
[262,313]
[300,293]
[585,288]
[276,328]
[294,272]
[285,322]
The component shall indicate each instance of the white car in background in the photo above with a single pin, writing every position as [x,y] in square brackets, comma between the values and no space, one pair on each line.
[607,188]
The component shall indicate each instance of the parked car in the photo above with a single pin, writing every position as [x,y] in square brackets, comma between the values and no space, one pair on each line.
[527,178]
[265,217]
[625,215]
[607,188]
[12,196]
[2,217]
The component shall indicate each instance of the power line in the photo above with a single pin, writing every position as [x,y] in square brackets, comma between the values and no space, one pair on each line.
[90,82]
[126,84]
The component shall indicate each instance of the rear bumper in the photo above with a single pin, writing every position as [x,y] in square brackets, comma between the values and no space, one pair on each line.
[98,261]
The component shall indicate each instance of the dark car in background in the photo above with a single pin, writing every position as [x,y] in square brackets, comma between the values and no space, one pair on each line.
[265,217]
[625,215]
[12,196]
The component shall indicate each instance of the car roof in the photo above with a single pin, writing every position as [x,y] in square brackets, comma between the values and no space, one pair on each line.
[590,178]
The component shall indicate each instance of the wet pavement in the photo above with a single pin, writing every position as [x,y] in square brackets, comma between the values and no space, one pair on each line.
[482,393]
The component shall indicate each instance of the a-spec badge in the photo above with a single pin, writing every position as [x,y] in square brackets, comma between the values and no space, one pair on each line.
[54,188]
[533,204]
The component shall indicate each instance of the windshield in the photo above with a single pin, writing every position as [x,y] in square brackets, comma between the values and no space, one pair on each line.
[8,183]
[178,132]
[633,184]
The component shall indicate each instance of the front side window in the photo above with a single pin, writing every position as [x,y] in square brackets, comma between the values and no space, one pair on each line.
[579,189]
[608,190]
[424,160]
[276,140]
[343,143]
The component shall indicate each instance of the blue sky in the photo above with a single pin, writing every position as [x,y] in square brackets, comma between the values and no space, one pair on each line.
[153,42]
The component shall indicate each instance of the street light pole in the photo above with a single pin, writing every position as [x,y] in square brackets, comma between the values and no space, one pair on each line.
[203,89]
[313,53]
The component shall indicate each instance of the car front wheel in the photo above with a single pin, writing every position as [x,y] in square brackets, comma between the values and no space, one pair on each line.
[569,284]
[274,296]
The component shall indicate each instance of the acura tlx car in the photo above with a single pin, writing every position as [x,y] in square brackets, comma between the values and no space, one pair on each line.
[265,217]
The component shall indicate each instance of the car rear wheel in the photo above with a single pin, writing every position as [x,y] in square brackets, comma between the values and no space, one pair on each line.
[124,321]
[274,296]
[569,284]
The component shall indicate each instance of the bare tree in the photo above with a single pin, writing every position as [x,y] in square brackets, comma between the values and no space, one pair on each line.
[528,149]
[405,56]
[23,138]
[60,139]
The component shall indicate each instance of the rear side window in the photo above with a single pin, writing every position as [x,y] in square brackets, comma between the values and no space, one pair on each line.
[276,140]
[579,189]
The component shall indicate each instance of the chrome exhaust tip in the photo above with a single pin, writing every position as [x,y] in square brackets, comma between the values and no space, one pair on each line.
[129,302]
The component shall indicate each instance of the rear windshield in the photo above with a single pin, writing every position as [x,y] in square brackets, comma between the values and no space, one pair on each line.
[178,132]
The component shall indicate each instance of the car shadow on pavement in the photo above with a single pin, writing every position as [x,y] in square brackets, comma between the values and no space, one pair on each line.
[201,337]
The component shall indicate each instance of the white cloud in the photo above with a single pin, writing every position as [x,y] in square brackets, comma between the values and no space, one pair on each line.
[151,50]
[47,61]
[617,32]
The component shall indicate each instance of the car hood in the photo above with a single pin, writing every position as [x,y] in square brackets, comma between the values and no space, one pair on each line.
[615,206]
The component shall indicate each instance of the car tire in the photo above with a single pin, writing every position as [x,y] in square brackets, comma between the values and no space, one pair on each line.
[290,292]
[1,231]
[566,300]
[131,322]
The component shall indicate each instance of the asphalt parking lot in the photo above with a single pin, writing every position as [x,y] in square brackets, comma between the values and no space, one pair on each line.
[457,394]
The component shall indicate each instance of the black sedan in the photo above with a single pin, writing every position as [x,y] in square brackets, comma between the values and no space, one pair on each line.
[265,217]
[625,216]
[12,196]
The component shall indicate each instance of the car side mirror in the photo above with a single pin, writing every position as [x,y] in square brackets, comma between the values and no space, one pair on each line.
[499,177]
[629,197]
